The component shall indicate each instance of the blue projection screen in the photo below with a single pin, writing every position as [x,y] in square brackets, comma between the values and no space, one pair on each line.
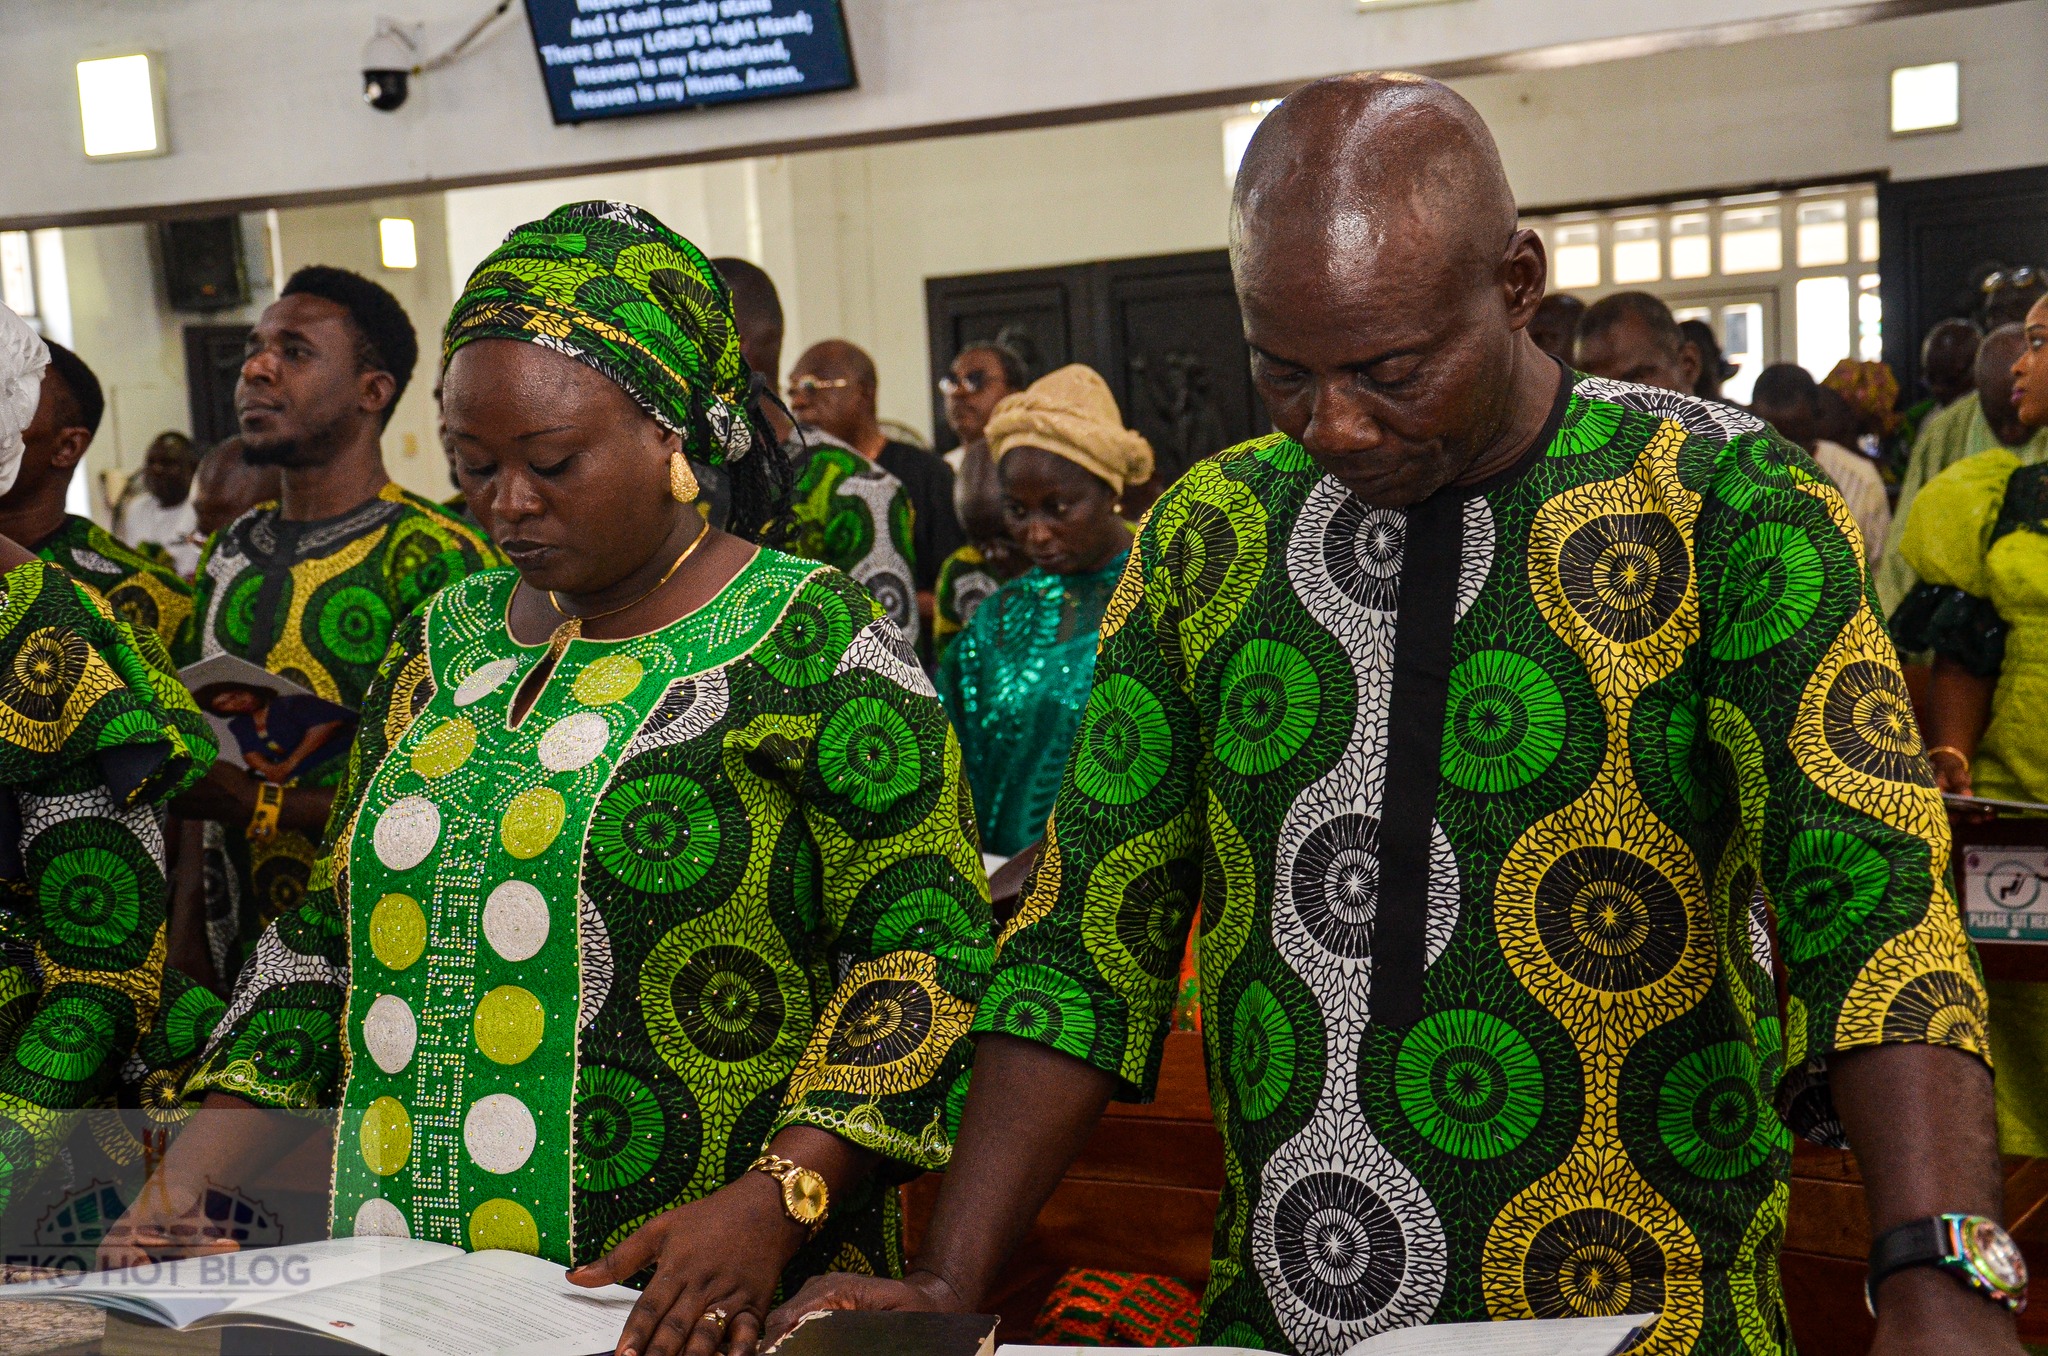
[621,58]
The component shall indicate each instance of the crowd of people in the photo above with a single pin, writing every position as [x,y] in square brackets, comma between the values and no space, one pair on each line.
[1515,730]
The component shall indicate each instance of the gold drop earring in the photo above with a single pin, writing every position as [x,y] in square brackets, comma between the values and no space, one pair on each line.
[682,482]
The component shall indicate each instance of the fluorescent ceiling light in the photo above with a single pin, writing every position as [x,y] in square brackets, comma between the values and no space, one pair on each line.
[1926,98]
[394,234]
[117,104]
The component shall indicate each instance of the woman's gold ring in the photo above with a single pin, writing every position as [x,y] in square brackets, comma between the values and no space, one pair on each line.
[717,1316]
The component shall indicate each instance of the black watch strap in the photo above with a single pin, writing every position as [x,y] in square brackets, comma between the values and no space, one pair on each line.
[1916,1243]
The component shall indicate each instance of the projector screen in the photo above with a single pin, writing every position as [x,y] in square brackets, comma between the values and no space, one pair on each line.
[621,58]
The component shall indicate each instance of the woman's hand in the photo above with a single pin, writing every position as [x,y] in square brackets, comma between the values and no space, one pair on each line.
[724,1252]
[1951,770]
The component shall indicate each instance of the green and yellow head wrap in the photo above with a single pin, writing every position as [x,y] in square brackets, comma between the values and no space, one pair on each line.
[611,287]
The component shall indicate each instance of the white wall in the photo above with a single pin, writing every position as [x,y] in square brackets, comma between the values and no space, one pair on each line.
[263,96]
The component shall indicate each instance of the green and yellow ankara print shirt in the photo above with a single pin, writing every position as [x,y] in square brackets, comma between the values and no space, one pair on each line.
[95,734]
[854,516]
[316,602]
[145,592]
[1490,1019]
[571,972]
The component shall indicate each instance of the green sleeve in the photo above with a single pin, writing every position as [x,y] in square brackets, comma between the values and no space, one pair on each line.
[279,1044]
[429,550]
[1949,528]
[905,901]
[1838,833]
[93,902]
[1088,965]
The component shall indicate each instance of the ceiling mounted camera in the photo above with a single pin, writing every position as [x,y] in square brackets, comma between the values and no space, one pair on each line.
[388,60]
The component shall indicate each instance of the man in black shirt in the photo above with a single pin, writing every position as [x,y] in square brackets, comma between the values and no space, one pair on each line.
[833,387]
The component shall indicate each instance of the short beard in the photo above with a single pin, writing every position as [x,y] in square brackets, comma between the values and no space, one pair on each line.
[287,454]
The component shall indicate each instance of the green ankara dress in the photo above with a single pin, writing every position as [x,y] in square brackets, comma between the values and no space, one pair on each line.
[95,734]
[854,516]
[1014,684]
[145,592]
[565,975]
[316,602]
[965,583]
[1498,809]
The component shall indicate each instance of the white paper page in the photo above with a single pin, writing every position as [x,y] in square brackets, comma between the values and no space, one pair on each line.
[475,1304]
[1526,1337]
[191,1288]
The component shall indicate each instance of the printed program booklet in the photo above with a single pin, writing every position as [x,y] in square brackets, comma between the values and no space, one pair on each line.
[1529,1337]
[394,1296]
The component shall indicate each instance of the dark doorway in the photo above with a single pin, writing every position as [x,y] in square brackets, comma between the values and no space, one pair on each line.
[213,363]
[1941,236]
[1164,332]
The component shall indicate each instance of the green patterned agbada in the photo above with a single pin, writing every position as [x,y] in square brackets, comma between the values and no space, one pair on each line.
[854,516]
[145,591]
[568,972]
[95,735]
[1488,1001]
[316,602]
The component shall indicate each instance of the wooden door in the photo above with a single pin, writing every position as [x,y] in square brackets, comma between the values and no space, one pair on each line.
[1163,331]
[1939,236]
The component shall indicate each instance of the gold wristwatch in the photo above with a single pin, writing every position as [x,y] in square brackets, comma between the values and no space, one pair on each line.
[804,1198]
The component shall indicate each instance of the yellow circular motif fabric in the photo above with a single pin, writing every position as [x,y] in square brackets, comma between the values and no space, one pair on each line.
[509,1023]
[386,1136]
[446,749]
[607,679]
[502,1223]
[532,821]
[398,931]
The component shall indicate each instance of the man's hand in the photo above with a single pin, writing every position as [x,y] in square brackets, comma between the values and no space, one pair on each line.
[918,1292]
[1923,1311]
[719,1254]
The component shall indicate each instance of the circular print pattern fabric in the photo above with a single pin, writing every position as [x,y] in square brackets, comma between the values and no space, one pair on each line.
[1121,752]
[1262,1052]
[1625,574]
[1609,919]
[815,630]
[1593,1263]
[868,753]
[1362,549]
[1041,1004]
[1867,718]
[620,1130]
[355,624]
[1771,587]
[1270,699]
[883,1023]
[68,1040]
[90,896]
[1469,1083]
[726,1003]
[1833,880]
[1709,1113]
[656,834]
[1336,884]
[45,673]
[1506,722]
[406,833]
[1339,1246]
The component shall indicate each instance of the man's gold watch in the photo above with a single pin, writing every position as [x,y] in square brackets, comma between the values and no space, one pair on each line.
[804,1198]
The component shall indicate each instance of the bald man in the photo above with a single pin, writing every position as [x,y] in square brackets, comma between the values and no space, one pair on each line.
[1507,725]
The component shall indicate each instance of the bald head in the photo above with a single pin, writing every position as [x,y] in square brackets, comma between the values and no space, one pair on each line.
[1360,158]
[832,386]
[1997,353]
[1948,357]
[1385,288]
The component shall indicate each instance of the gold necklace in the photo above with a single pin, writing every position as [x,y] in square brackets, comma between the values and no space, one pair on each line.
[572,628]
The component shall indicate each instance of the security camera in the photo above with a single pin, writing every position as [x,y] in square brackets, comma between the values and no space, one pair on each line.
[388,60]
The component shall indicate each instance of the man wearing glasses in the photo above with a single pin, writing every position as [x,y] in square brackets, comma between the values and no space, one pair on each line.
[833,388]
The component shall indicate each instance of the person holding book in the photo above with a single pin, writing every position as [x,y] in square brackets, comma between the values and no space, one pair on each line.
[654,849]
[313,585]
[1015,681]
[96,734]
[1510,726]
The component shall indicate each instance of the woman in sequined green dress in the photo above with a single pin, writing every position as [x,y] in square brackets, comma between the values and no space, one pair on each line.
[1016,680]
[654,850]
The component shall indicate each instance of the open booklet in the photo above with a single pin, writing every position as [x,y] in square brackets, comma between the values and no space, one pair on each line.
[265,722]
[1537,1337]
[397,1296]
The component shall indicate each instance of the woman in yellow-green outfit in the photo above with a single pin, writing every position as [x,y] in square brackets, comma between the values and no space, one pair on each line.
[1978,538]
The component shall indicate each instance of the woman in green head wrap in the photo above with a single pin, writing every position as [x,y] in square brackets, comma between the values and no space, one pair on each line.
[652,918]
